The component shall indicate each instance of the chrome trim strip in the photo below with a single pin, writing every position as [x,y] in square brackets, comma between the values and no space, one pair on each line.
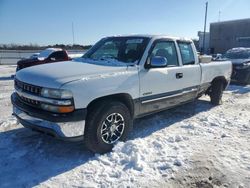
[42,99]
[170,96]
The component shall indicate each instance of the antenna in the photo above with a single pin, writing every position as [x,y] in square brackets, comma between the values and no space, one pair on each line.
[219,16]
[73,33]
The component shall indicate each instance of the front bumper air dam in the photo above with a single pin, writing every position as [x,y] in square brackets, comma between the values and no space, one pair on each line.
[71,130]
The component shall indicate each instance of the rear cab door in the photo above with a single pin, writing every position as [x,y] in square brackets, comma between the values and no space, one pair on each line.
[190,69]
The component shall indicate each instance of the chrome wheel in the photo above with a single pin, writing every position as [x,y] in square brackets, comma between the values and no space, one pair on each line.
[112,128]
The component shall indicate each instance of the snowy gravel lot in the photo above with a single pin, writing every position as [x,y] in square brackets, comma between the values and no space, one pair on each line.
[195,145]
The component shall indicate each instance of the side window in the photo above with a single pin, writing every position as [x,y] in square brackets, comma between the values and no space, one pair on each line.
[166,49]
[58,55]
[187,53]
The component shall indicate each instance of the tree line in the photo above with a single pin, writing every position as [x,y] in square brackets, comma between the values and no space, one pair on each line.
[41,47]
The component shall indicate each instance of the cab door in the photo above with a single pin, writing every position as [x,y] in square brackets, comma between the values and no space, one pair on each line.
[161,87]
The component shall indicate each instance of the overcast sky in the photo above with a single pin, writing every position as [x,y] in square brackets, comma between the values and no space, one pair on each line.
[50,21]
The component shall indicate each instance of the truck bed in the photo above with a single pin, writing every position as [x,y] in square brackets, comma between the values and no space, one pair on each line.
[215,69]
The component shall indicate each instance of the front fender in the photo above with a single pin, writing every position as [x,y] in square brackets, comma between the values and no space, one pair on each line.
[90,88]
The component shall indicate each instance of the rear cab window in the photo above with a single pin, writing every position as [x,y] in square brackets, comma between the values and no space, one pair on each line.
[187,53]
[58,55]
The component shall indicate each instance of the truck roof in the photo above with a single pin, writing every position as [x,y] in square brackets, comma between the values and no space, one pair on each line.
[54,49]
[155,36]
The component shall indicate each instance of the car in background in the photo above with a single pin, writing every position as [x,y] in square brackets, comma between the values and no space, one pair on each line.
[49,55]
[35,55]
[240,58]
[216,57]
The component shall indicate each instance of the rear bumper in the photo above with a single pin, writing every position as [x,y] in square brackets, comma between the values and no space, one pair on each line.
[63,126]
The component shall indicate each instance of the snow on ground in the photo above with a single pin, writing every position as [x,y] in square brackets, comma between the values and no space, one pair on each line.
[195,145]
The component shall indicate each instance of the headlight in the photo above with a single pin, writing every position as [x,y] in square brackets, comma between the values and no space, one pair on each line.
[56,93]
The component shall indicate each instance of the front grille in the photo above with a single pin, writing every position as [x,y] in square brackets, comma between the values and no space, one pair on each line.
[30,102]
[27,87]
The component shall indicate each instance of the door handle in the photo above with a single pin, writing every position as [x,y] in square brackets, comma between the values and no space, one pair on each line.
[179,75]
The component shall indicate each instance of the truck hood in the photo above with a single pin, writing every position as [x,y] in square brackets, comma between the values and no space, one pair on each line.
[239,61]
[54,75]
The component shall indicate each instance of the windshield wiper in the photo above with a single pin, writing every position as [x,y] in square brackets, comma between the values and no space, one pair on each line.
[107,58]
[88,58]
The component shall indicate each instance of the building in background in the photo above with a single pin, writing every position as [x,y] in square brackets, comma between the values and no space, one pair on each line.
[207,42]
[229,34]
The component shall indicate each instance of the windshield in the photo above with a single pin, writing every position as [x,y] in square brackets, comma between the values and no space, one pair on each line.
[123,49]
[45,53]
[243,54]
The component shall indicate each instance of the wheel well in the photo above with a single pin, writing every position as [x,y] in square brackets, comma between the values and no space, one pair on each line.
[121,97]
[217,79]
[220,79]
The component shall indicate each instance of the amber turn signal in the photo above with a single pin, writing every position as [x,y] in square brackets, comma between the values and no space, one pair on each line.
[65,109]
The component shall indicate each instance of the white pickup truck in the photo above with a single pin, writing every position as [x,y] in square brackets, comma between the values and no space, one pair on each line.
[96,97]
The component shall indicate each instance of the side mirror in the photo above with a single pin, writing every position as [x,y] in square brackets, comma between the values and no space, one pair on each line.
[158,62]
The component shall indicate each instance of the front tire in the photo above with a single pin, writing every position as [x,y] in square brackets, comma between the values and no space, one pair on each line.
[107,123]
[216,93]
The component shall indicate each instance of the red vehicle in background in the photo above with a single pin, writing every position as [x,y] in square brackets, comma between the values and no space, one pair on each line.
[49,55]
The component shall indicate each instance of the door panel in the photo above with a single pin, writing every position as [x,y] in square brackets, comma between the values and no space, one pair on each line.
[191,77]
[160,89]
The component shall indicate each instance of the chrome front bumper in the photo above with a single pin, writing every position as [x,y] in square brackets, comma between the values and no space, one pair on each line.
[63,130]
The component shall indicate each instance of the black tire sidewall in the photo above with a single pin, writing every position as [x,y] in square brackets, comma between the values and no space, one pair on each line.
[217,91]
[98,145]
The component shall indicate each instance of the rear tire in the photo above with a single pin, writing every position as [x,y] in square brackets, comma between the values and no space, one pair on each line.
[216,93]
[107,123]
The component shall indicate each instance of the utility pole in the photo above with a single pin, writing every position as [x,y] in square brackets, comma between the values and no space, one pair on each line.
[73,33]
[205,25]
